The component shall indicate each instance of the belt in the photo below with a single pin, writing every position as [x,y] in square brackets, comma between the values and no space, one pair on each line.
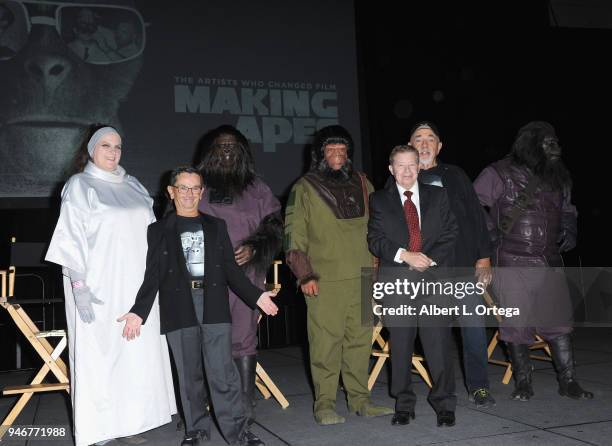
[197,284]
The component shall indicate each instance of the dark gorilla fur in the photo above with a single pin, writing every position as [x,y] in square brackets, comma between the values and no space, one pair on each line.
[228,181]
[266,241]
[222,179]
[528,151]
[333,134]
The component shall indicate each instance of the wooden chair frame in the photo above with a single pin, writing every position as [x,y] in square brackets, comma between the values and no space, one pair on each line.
[540,344]
[262,380]
[381,353]
[38,339]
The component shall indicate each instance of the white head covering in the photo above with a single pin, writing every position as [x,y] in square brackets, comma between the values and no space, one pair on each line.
[91,145]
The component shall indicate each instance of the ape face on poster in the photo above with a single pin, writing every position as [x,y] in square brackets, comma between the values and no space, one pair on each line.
[165,73]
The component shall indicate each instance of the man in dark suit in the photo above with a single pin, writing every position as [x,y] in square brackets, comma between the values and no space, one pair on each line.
[191,262]
[412,229]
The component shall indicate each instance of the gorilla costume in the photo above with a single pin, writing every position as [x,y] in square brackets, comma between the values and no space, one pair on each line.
[532,220]
[236,194]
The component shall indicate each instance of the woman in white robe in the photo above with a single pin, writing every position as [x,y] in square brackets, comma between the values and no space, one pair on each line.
[118,388]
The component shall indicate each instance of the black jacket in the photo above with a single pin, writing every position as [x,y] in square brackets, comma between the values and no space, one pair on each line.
[388,231]
[167,273]
[473,241]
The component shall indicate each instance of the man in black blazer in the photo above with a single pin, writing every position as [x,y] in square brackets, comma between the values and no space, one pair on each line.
[410,238]
[191,262]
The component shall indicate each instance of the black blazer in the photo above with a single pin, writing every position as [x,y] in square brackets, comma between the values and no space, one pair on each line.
[167,273]
[388,231]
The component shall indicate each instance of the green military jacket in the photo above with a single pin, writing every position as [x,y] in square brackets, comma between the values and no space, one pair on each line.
[334,245]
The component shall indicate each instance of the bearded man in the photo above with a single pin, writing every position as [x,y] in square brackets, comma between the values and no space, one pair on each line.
[234,193]
[532,221]
[325,241]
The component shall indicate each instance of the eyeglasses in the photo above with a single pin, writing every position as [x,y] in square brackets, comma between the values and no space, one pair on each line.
[98,34]
[110,148]
[183,189]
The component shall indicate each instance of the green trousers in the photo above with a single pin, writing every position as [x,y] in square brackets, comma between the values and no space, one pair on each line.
[338,342]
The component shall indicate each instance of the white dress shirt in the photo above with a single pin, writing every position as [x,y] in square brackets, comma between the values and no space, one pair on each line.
[415,199]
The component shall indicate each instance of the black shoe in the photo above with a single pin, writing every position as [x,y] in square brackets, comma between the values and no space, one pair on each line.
[521,369]
[204,436]
[401,418]
[446,418]
[482,398]
[563,358]
[248,438]
[133,439]
[523,390]
[191,440]
[573,390]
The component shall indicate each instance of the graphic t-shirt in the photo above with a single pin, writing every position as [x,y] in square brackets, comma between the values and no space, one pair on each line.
[192,241]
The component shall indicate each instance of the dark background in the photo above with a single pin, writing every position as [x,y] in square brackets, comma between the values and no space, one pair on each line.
[479,72]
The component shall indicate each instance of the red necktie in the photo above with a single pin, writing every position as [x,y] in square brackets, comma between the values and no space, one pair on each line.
[412,220]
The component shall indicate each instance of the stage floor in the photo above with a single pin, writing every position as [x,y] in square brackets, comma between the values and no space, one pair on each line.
[547,419]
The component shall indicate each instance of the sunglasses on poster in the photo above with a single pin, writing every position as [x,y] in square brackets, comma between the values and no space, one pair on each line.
[97,34]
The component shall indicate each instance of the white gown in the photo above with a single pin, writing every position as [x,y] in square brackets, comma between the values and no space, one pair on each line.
[118,388]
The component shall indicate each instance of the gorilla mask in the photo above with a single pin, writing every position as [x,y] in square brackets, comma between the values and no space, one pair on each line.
[333,134]
[537,147]
[227,163]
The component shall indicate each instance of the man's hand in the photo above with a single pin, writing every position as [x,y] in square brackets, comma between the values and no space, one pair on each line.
[483,272]
[244,254]
[132,325]
[265,303]
[310,288]
[417,260]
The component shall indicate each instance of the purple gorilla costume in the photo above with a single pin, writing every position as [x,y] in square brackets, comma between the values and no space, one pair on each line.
[532,221]
[234,193]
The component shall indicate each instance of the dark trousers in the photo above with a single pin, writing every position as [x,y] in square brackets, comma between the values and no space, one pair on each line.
[208,348]
[436,343]
[475,359]
[475,343]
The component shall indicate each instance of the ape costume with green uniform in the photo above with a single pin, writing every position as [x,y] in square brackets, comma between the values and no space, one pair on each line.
[325,240]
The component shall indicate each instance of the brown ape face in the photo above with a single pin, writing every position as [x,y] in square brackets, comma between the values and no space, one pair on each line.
[50,92]
[551,148]
[226,150]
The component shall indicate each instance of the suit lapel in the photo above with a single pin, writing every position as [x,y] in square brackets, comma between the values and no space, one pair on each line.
[394,199]
[424,204]
[210,241]
[397,210]
[173,243]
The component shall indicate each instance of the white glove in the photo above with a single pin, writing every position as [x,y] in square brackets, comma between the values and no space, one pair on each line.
[83,297]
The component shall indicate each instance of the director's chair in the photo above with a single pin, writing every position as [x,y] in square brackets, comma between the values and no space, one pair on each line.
[38,339]
[381,353]
[540,344]
[262,380]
